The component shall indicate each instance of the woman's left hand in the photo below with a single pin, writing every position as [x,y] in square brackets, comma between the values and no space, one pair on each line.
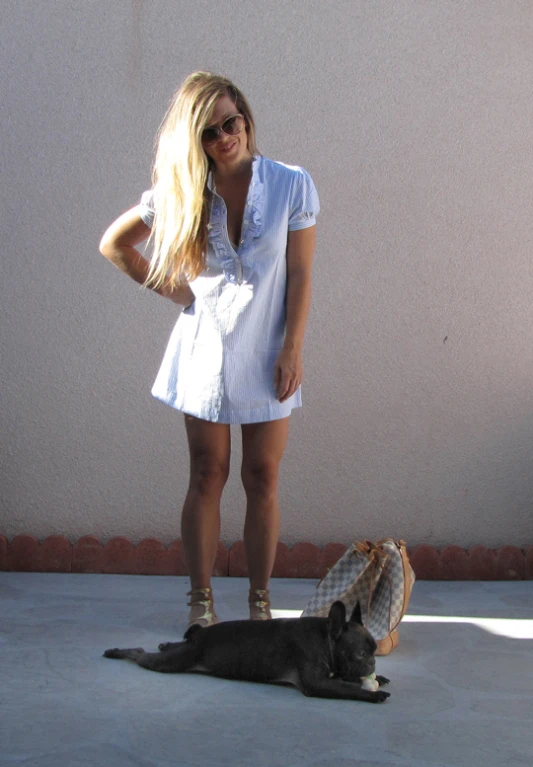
[288,373]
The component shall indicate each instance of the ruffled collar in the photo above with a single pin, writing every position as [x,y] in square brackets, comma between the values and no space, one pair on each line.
[252,225]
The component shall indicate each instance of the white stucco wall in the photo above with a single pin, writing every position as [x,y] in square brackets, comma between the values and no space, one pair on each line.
[415,121]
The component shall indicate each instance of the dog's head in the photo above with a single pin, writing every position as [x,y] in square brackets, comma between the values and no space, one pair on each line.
[353,647]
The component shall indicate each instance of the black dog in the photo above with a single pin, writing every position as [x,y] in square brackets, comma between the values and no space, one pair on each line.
[323,657]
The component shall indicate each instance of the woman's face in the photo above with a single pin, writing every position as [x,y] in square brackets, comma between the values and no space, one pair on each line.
[226,151]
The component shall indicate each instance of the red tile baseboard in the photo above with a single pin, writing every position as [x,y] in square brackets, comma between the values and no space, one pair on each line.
[56,554]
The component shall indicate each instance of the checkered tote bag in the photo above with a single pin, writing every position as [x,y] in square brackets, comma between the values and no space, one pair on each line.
[379,577]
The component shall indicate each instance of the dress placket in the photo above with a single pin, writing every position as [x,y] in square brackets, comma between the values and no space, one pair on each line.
[230,257]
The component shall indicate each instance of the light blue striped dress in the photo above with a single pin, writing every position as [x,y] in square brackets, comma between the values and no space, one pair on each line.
[219,362]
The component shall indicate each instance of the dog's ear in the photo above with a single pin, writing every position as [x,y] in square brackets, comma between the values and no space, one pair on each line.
[356,616]
[336,619]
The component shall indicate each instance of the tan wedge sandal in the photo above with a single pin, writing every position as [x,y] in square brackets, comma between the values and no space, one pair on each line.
[202,611]
[259,603]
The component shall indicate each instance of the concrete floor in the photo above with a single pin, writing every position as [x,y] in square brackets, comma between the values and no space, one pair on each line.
[461,682]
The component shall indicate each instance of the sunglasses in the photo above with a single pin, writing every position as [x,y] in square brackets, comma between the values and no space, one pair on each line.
[230,127]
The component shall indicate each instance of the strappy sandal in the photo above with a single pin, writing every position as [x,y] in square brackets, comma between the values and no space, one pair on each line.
[202,612]
[259,603]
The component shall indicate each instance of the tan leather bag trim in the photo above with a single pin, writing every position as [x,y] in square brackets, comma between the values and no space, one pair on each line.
[407,579]
[388,643]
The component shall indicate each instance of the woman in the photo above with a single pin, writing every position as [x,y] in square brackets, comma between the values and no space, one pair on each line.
[233,237]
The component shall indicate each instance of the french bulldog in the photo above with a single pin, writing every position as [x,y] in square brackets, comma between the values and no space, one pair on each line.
[322,657]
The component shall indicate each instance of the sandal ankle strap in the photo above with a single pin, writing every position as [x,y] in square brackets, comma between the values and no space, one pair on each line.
[200,597]
[259,595]
[259,602]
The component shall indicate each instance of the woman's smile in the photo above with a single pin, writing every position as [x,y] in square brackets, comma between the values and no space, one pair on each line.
[229,147]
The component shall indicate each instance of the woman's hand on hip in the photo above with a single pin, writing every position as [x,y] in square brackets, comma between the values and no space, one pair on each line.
[181,295]
[288,372]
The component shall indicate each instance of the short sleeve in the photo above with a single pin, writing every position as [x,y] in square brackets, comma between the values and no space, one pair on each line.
[304,205]
[147,207]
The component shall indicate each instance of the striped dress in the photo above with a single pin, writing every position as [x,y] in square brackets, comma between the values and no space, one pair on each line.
[219,362]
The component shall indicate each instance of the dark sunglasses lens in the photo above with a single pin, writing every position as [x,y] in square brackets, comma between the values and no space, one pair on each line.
[230,127]
[233,125]
[209,135]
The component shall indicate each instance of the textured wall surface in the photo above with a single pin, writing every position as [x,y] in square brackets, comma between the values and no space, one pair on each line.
[415,121]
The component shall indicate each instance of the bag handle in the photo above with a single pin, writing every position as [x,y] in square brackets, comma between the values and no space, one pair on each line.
[408,579]
[370,550]
[376,557]
[375,552]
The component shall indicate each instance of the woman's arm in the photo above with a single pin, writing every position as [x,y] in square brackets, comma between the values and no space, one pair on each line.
[288,370]
[118,246]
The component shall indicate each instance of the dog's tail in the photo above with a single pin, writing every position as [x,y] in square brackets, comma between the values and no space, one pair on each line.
[133,653]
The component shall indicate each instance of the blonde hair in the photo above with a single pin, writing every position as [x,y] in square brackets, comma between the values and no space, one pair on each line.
[181,168]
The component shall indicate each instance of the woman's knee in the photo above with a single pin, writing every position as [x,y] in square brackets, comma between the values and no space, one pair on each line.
[208,474]
[261,478]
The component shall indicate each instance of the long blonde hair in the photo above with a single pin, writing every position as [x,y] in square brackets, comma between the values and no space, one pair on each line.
[181,168]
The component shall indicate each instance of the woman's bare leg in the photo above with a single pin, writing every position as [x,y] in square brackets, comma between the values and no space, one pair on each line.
[209,449]
[263,445]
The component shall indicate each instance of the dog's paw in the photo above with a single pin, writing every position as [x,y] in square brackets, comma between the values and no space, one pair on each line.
[380,696]
[382,680]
